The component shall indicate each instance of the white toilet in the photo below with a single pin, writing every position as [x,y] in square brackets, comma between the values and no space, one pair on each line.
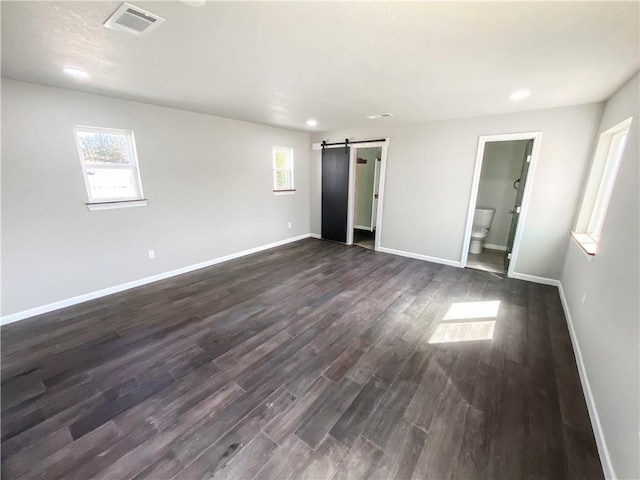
[481,225]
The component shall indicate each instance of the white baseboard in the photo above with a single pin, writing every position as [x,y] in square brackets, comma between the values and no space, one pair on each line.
[535,279]
[490,246]
[362,227]
[315,235]
[586,387]
[418,256]
[14,317]
[603,451]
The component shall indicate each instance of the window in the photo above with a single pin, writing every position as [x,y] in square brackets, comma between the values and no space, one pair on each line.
[283,169]
[600,186]
[110,167]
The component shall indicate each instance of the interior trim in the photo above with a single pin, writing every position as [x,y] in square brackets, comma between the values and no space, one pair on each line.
[143,202]
[535,279]
[32,312]
[417,256]
[603,451]
[598,433]
[536,136]
[576,241]
[607,466]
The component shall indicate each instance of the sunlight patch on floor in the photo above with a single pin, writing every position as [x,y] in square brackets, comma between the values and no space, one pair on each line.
[467,310]
[463,331]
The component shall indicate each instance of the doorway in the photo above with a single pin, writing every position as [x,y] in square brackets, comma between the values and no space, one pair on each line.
[501,186]
[366,186]
[352,191]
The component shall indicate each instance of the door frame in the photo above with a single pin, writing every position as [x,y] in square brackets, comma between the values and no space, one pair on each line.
[376,194]
[528,187]
[353,158]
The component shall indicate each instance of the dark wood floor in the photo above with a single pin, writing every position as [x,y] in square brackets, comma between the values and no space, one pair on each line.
[313,360]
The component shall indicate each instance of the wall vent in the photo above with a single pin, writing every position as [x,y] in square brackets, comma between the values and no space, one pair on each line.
[131,19]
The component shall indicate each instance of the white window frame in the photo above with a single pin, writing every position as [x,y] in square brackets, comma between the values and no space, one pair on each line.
[602,179]
[614,156]
[291,187]
[103,203]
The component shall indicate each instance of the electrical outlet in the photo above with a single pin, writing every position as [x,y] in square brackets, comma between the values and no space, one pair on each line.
[289,224]
[152,254]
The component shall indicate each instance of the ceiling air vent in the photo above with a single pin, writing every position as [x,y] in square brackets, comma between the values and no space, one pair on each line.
[131,19]
[380,115]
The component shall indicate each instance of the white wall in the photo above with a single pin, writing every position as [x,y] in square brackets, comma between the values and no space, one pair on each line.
[365,173]
[208,181]
[501,166]
[606,322]
[430,169]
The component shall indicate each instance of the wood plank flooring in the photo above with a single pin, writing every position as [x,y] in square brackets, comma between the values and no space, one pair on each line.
[312,360]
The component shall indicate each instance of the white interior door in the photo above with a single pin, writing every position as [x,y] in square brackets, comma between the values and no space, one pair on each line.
[376,188]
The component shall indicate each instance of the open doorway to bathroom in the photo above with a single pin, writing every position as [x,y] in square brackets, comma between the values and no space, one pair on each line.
[503,170]
[368,162]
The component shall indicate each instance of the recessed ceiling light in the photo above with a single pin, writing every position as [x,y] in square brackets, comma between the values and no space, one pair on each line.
[311,122]
[75,72]
[520,94]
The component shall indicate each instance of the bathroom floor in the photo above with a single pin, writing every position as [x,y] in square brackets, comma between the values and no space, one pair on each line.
[488,260]
[364,238]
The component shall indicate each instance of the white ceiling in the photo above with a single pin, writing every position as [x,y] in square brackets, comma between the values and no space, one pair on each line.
[281,63]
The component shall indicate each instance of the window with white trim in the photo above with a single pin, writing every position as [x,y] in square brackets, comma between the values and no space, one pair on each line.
[109,165]
[282,169]
[600,185]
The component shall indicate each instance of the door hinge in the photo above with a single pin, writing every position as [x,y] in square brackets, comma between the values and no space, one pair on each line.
[517,209]
[528,158]
[508,256]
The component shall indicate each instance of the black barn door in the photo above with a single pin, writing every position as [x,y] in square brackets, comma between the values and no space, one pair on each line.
[335,193]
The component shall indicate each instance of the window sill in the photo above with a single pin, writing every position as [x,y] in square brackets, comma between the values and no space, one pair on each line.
[284,192]
[587,245]
[120,204]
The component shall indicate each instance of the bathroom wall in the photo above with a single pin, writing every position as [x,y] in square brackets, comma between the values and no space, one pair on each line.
[501,165]
[365,173]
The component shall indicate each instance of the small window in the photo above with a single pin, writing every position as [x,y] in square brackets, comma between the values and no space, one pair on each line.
[600,186]
[109,164]
[283,169]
